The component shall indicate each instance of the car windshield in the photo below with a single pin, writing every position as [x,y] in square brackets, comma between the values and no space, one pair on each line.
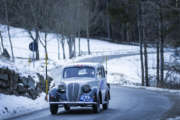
[79,71]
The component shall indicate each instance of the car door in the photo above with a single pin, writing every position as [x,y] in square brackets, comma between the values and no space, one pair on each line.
[102,79]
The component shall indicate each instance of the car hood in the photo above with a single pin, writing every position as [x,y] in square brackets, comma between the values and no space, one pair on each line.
[81,81]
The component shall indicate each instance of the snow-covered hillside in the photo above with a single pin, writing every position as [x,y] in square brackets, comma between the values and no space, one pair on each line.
[21,40]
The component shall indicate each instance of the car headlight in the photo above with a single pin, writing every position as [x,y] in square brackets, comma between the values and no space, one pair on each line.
[86,88]
[61,88]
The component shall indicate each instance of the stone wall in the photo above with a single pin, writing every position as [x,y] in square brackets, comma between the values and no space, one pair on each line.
[12,83]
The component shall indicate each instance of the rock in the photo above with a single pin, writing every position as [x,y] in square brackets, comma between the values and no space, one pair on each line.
[3,85]
[31,83]
[21,89]
[3,76]
[33,93]
[28,82]
[12,83]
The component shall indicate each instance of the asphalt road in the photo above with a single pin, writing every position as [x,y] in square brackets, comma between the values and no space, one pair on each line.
[126,104]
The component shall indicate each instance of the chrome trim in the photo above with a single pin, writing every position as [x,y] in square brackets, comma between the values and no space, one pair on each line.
[73,91]
[74,103]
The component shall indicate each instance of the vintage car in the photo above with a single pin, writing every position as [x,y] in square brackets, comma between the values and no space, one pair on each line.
[81,84]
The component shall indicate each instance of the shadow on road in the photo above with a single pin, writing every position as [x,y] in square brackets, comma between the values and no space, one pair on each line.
[82,111]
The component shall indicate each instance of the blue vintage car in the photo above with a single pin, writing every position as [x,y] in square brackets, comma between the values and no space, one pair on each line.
[81,84]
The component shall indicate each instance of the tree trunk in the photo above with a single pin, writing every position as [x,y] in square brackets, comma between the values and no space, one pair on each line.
[158,65]
[58,43]
[74,43]
[8,29]
[141,37]
[108,20]
[146,63]
[63,48]
[87,33]
[79,43]
[145,50]
[79,29]
[37,41]
[70,47]
[10,41]
[2,42]
[127,32]
[161,47]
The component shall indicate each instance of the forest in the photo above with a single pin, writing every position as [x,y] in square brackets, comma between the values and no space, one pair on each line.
[147,23]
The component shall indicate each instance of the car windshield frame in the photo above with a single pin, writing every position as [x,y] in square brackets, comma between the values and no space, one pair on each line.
[74,72]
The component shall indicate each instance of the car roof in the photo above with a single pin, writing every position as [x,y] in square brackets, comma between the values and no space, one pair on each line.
[95,65]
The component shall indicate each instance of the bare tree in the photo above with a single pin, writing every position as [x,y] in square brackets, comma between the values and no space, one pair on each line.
[35,8]
[8,28]
[58,43]
[79,28]
[87,31]
[161,44]
[2,42]
[141,37]
[146,63]
[108,20]
[158,63]
[63,47]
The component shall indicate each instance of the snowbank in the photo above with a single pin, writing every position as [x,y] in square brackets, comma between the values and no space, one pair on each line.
[13,105]
[177,118]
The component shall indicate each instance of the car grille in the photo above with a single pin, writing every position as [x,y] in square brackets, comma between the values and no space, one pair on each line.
[73,91]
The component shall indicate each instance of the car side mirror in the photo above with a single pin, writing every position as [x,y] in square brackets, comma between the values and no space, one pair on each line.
[106,72]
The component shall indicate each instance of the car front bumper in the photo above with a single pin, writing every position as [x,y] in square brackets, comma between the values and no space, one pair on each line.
[73,103]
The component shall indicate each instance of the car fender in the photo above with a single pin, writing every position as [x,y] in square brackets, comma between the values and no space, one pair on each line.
[53,92]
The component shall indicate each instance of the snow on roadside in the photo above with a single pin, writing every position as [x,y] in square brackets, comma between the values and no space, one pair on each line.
[126,70]
[177,118]
[177,92]
[12,105]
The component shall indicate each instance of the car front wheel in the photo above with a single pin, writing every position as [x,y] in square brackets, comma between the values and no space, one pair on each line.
[53,109]
[106,105]
[96,107]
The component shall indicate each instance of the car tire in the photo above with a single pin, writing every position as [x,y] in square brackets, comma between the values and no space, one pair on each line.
[96,107]
[106,105]
[53,109]
[67,108]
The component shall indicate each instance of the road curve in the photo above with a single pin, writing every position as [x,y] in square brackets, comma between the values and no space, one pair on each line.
[126,104]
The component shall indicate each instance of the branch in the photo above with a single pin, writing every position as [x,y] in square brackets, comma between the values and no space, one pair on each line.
[42,42]
[30,34]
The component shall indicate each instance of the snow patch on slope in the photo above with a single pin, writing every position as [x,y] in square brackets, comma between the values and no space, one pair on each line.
[126,70]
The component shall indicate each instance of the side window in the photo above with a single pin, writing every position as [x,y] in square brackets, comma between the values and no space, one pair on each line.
[103,72]
[99,73]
